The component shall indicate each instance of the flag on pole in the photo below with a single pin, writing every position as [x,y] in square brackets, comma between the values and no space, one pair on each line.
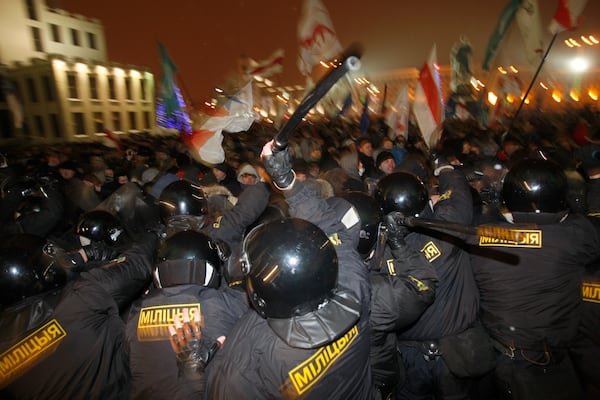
[316,37]
[383,106]
[506,17]
[236,115]
[14,105]
[427,105]
[270,66]
[167,91]
[397,119]
[347,105]
[530,25]
[460,64]
[364,118]
[567,15]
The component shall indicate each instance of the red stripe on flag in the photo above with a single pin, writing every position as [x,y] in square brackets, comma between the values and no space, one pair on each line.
[431,92]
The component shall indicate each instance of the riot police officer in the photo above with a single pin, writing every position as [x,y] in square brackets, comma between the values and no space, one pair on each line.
[307,334]
[63,339]
[187,277]
[400,290]
[530,288]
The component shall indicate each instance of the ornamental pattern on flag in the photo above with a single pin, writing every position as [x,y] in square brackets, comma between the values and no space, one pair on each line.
[270,66]
[316,37]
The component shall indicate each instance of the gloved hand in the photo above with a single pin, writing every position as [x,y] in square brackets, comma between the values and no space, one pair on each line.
[396,232]
[192,351]
[99,251]
[65,259]
[279,166]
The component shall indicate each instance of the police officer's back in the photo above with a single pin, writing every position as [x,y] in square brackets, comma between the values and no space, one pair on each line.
[60,342]
[530,288]
[187,277]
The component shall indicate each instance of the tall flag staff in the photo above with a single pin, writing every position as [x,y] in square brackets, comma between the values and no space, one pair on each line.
[566,17]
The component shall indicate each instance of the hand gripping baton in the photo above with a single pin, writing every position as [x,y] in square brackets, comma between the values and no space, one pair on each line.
[350,62]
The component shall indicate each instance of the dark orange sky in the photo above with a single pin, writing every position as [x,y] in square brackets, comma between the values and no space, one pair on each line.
[206,38]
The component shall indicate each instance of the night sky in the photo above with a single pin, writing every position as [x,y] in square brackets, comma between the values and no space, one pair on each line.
[206,38]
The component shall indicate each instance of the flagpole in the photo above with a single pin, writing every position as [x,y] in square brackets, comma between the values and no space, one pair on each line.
[187,93]
[531,85]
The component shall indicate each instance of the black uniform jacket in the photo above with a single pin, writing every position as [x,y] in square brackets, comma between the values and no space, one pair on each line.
[255,363]
[70,343]
[154,370]
[456,297]
[530,290]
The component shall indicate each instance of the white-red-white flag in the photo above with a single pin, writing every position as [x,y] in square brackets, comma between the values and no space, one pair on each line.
[236,115]
[530,25]
[397,118]
[270,66]
[316,37]
[427,106]
[567,15]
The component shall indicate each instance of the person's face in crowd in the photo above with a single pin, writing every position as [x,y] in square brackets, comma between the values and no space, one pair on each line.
[387,144]
[67,174]
[248,179]
[315,154]
[129,154]
[122,179]
[53,160]
[314,170]
[300,176]
[366,148]
[161,156]
[387,166]
[220,175]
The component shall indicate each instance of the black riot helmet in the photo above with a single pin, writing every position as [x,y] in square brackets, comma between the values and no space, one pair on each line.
[100,226]
[291,267]
[28,206]
[182,198]
[26,269]
[291,272]
[370,215]
[188,257]
[403,192]
[535,186]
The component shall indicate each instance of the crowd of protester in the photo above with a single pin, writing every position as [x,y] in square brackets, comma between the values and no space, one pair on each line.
[48,190]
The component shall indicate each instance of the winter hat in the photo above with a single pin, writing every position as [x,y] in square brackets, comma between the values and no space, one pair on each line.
[382,156]
[246,169]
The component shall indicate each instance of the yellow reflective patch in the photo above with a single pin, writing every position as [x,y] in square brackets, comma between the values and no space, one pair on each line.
[431,251]
[305,375]
[446,195]
[420,285]
[391,267]
[153,322]
[30,350]
[217,223]
[528,238]
[591,292]
[334,239]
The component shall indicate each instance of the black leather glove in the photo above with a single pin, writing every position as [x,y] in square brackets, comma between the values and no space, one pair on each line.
[279,167]
[192,351]
[396,232]
[99,251]
[65,259]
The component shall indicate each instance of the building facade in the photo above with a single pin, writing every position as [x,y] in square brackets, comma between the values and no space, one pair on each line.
[58,83]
